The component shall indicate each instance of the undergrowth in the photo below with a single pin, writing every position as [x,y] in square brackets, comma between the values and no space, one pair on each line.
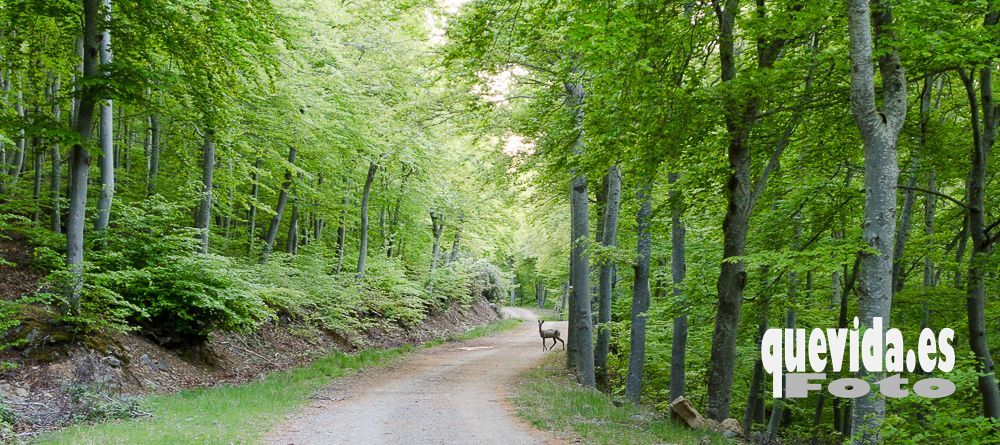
[549,399]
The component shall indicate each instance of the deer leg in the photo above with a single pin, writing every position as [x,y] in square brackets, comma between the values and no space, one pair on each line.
[560,341]
[544,348]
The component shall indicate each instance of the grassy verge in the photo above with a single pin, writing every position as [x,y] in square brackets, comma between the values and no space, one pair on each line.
[550,399]
[240,413]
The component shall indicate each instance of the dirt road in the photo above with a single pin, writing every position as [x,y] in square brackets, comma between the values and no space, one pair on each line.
[450,394]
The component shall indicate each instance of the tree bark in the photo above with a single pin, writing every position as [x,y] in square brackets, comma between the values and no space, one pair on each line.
[678,271]
[154,153]
[777,410]
[342,233]
[203,221]
[292,241]
[107,158]
[609,239]
[580,323]
[80,157]
[437,229]
[732,277]
[640,293]
[756,393]
[38,160]
[55,180]
[982,244]
[457,244]
[879,133]
[905,221]
[363,250]
[279,210]
[15,169]
[252,212]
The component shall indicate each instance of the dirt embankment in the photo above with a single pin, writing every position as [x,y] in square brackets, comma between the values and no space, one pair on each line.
[52,371]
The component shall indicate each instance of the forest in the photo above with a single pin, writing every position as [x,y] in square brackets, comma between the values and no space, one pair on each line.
[674,177]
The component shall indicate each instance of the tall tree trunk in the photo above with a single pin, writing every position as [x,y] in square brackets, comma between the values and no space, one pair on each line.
[732,277]
[581,327]
[107,158]
[18,161]
[457,244]
[342,232]
[80,157]
[513,281]
[252,212]
[203,222]
[678,271]
[609,238]
[905,221]
[640,292]
[154,153]
[363,250]
[930,204]
[755,397]
[279,210]
[38,158]
[982,243]
[777,410]
[292,241]
[879,133]
[55,180]
[437,229]
[5,86]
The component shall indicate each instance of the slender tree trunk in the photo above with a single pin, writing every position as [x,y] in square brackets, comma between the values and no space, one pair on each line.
[905,221]
[15,169]
[363,250]
[756,393]
[513,281]
[930,204]
[342,233]
[38,162]
[457,244]
[154,153]
[292,242]
[80,157]
[203,222]
[678,271]
[609,238]
[777,410]
[254,195]
[640,293]
[107,158]
[437,229]
[982,244]
[279,210]
[879,133]
[55,179]
[318,227]
[5,83]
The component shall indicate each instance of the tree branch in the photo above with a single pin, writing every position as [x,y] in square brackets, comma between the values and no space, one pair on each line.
[938,194]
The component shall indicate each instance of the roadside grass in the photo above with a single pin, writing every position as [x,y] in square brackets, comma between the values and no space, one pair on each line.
[549,399]
[239,413]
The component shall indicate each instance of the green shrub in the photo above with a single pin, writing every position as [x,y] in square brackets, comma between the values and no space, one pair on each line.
[148,265]
[302,288]
[391,295]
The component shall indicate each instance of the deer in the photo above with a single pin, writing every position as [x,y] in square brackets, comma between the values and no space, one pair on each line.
[549,333]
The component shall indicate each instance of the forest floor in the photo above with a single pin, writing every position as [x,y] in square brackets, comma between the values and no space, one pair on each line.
[454,393]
